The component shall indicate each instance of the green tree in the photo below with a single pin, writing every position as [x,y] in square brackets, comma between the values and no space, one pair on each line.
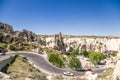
[96,57]
[75,52]
[85,53]
[74,63]
[56,60]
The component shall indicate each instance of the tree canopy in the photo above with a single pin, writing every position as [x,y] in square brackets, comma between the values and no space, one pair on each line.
[74,63]
[56,60]
[85,53]
[96,57]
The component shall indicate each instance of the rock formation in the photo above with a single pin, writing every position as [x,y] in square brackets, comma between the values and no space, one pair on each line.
[59,44]
[7,34]
[5,28]
[95,44]
[27,35]
[116,73]
[56,43]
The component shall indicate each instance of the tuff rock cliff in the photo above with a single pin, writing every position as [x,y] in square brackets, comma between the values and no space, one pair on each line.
[104,45]
[56,43]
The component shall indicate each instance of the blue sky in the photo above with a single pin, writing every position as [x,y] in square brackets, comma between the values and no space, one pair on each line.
[76,17]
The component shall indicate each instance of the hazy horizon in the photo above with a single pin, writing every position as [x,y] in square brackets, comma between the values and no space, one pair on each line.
[71,17]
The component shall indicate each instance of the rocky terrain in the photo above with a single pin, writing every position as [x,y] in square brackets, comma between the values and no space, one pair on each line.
[105,45]
[59,42]
[11,40]
[25,40]
[7,33]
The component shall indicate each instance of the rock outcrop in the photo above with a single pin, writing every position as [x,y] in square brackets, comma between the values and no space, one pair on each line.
[56,43]
[104,45]
[5,28]
[59,44]
[27,35]
[7,34]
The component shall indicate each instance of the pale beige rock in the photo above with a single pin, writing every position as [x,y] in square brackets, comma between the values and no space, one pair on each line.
[116,73]
[96,44]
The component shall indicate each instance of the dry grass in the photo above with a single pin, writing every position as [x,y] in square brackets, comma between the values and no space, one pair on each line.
[106,75]
[21,69]
[66,78]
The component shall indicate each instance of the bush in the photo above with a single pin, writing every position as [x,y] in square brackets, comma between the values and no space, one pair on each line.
[14,47]
[56,60]
[96,57]
[85,53]
[74,63]
[4,45]
[42,42]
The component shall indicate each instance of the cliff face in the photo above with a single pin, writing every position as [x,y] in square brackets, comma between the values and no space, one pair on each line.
[98,44]
[94,44]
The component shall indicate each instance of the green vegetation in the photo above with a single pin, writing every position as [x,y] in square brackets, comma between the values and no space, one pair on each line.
[14,47]
[74,52]
[49,50]
[23,46]
[74,63]
[42,42]
[55,59]
[21,69]
[3,46]
[96,57]
[85,53]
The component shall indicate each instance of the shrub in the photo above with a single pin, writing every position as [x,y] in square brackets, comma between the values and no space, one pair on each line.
[96,57]
[56,60]
[85,53]
[74,63]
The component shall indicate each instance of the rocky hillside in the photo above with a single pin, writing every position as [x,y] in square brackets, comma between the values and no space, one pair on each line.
[58,42]
[5,28]
[7,34]
[105,44]
[24,40]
